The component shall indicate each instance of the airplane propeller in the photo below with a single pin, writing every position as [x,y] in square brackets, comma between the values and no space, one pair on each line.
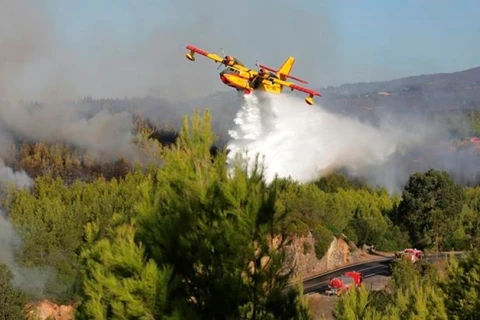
[257,64]
[223,53]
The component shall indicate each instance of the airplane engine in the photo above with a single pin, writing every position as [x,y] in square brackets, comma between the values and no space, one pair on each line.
[229,60]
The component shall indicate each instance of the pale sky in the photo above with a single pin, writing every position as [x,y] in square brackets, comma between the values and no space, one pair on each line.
[123,48]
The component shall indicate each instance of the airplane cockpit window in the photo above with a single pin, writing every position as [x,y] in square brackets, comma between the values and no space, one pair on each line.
[230,71]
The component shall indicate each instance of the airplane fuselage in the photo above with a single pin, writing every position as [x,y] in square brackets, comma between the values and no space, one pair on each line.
[242,79]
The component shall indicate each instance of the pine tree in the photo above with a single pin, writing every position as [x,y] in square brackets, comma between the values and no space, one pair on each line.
[462,286]
[354,305]
[117,281]
[214,227]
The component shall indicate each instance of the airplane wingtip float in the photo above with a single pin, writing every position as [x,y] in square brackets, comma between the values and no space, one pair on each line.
[240,77]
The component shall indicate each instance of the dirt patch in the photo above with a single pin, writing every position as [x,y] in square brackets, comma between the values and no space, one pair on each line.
[45,309]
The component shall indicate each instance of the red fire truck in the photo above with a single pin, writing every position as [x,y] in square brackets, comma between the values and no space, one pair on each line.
[340,284]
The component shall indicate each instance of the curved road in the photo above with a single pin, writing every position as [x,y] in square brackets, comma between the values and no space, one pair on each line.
[369,269]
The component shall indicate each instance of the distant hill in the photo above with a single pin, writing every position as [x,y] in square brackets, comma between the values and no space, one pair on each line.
[425,93]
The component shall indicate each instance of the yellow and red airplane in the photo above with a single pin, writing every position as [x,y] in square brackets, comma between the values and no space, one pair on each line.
[240,77]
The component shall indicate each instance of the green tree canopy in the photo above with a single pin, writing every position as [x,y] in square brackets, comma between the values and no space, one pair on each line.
[462,287]
[430,208]
[118,283]
[12,301]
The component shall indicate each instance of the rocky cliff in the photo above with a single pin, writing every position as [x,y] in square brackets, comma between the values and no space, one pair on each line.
[339,253]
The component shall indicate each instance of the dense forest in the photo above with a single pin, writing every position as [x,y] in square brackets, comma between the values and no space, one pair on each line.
[187,236]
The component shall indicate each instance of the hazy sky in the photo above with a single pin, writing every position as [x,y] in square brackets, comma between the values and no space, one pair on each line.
[335,42]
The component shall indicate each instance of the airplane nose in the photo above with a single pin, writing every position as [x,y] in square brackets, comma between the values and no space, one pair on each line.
[224,79]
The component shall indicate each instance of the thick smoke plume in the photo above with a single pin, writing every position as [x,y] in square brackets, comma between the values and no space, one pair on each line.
[305,143]
[26,41]
[105,134]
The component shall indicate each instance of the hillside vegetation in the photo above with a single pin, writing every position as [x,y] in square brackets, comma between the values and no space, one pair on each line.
[185,237]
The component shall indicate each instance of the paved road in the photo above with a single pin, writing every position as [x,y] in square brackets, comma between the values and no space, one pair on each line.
[368,269]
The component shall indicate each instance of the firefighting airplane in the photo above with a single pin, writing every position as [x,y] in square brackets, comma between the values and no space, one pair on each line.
[240,77]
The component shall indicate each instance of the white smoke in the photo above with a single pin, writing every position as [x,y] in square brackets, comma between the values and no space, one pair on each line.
[9,177]
[32,280]
[105,134]
[305,143]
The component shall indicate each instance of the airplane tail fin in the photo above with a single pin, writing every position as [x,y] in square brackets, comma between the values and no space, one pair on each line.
[285,69]
[283,73]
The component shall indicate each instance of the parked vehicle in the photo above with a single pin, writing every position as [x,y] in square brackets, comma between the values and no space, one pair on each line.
[413,255]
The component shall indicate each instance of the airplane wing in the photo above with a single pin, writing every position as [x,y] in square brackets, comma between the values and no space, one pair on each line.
[306,90]
[194,50]
[293,86]
[285,75]
[311,93]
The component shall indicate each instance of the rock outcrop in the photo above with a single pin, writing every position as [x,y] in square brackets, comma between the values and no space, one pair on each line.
[339,253]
